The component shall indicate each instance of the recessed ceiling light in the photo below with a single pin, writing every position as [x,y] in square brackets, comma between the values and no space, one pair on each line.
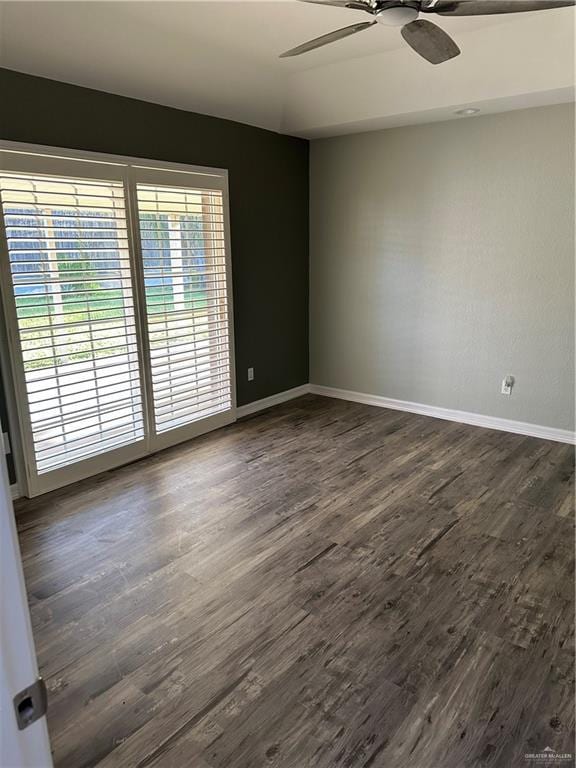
[467,112]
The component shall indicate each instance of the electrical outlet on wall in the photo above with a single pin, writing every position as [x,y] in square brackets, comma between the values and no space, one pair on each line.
[250,374]
[507,385]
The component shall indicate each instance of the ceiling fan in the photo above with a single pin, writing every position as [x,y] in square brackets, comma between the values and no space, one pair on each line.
[426,38]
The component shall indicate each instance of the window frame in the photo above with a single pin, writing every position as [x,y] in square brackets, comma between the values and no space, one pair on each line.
[41,159]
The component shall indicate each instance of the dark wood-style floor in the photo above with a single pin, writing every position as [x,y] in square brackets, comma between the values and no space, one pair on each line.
[324,585]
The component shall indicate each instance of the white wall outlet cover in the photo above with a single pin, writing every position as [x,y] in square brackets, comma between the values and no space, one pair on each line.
[507,384]
[250,374]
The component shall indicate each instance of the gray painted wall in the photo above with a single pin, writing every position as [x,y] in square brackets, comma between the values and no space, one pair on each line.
[442,259]
[268,178]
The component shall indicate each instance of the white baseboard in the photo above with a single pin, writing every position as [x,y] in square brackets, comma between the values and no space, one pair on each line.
[475,419]
[268,402]
[463,417]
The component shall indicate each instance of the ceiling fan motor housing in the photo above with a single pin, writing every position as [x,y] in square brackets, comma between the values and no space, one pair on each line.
[398,15]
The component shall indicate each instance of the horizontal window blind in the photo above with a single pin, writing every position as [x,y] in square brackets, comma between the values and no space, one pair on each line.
[116,284]
[184,264]
[69,262]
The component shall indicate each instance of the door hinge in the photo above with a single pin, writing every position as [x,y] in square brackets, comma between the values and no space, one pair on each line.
[31,704]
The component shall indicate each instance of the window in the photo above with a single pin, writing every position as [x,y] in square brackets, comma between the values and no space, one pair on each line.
[184,258]
[116,282]
[68,252]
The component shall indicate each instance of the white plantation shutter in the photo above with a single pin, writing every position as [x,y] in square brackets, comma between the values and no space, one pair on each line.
[184,264]
[70,270]
[116,286]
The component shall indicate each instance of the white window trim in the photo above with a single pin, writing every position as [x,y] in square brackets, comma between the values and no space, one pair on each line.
[130,170]
[108,159]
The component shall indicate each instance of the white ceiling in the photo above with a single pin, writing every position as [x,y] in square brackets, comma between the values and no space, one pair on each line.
[221,58]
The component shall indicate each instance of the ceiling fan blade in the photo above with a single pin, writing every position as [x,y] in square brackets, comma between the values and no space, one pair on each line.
[331,37]
[357,5]
[431,42]
[487,7]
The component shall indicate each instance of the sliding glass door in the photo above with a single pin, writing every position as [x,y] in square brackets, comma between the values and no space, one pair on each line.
[116,285]
[182,240]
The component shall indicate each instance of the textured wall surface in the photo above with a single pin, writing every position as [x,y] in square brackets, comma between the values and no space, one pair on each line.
[442,259]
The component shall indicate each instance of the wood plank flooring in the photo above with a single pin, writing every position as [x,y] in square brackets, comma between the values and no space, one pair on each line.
[324,585]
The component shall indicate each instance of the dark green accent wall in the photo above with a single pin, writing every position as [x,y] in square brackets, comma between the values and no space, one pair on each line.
[268,181]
